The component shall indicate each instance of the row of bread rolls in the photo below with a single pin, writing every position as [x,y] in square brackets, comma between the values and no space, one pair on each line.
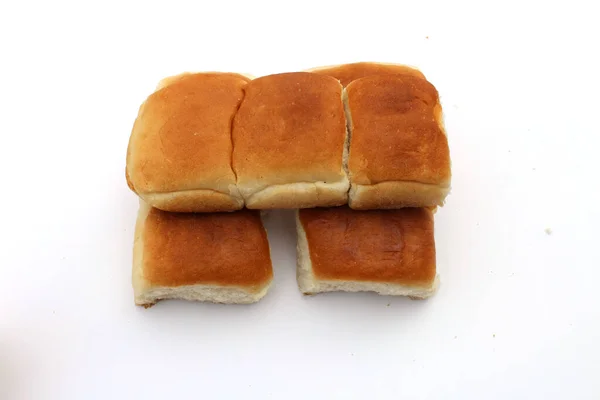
[225,257]
[368,135]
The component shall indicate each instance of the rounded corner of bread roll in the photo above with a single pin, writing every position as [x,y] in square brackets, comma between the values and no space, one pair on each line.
[415,71]
[129,181]
[262,291]
[426,292]
[169,80]
[145,303]
[438,114]
[350,72]
[307,287]
[322,68]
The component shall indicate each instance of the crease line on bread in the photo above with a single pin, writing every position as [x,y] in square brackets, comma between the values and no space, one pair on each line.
[346,152]
[231,124]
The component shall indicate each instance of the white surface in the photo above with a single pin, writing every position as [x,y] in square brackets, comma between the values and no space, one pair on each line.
[518,311]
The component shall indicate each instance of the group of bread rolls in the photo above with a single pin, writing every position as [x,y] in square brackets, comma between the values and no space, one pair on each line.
[359,150]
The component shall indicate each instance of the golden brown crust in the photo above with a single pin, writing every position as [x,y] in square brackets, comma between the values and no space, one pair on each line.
[397,133]
[181,139]
[290,128]
[225,249]
[347,73]
[392,246]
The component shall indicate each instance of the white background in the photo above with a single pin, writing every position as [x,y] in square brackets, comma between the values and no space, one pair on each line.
[518,312]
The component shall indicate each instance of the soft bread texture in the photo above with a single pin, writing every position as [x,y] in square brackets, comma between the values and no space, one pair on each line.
[390,252]
[289,139]
[391,195]
[179,153]
[214,257]
[399,154]
[347,73]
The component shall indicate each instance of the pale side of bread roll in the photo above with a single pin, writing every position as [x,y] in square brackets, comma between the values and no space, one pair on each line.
[290,142]
[212,257]
[179,152]
[390,252]
[398,194]
[399,154]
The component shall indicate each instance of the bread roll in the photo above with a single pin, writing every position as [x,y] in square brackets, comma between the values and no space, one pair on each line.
[399,154]
[179,153]
[214,257]
[391,252]
[347,73]
[289,141]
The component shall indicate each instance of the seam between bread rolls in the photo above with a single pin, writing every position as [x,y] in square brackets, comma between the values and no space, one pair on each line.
[346,153]
[231,138]
[231,123]
[231,128]
[413,185]
[208,194]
